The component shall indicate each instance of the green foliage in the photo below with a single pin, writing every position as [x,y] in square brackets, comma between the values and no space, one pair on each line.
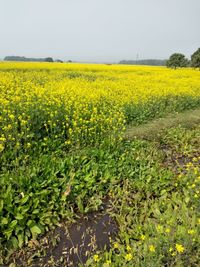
[177,60]
[195,59]
[159,227]
[25,59]
[148,200]
[48,59]
[137,114]
[36,197]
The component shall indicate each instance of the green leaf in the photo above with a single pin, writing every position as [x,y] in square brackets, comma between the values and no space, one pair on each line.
[8,233]
[20,238]
[19,217]
[35,230]
[4,221]
[1,205]
[24,200]
[80,204]
[13,224]
[30,223]
[14,242]
[8,190]
[36,211]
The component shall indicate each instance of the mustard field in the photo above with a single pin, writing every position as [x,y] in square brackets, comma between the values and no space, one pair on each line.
[63,154]
[78,104]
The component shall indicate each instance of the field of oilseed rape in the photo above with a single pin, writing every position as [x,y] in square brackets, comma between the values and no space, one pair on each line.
[65,159]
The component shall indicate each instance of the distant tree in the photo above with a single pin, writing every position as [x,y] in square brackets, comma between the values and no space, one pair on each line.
[18,58]
[58,61]
[15,58]
[48,59]
[195,59]
[177,60]
[149,62]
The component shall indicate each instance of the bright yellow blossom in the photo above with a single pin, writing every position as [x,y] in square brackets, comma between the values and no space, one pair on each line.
[128,257]
[116,245]
[143,237]
[152,248]
[128,248]
[96,258]
[191,232]
[1,147]
[180,248]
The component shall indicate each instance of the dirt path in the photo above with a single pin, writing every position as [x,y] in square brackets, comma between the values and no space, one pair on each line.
[187,119]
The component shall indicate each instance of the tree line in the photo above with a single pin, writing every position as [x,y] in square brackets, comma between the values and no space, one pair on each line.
[178,60]
[26,59]
[150,62]
[18,58]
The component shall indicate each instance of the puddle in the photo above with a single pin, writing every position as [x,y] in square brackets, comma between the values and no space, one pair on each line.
[79,241]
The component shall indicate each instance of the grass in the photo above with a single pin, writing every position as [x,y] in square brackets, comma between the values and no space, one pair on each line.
[187,119]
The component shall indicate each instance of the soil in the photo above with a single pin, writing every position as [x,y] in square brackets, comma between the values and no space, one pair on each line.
[75,243]
[177,162]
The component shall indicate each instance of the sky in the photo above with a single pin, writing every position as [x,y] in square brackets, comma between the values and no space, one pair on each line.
[99,30]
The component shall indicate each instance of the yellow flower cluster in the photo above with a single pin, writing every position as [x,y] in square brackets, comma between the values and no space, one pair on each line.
[78,104]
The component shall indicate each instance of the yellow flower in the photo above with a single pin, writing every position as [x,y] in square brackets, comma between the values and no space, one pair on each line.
[167,230]
[152,248]
[28,145]
[9,126]
[68,142]
[116,245]
[180,248]
[128,248]
[1,147]
[11,116]
[191,232]
[128,257]
[17,144]
[160,228]
[143,237]
[96,258]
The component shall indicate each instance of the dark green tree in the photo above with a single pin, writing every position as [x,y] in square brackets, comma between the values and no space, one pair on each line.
[48,59]
[195,59]
[177,60]
[58,61]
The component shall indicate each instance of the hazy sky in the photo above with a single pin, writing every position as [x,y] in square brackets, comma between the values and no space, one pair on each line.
[99,30]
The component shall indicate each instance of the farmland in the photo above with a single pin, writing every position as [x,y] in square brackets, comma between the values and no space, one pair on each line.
[68,147]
